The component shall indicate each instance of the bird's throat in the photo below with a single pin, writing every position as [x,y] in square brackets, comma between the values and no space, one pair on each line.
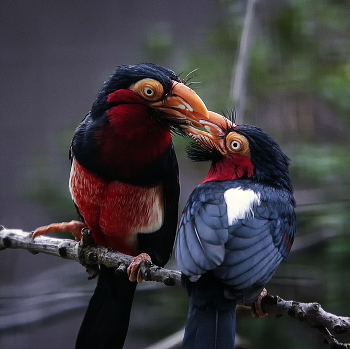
[232,167]
[132,139]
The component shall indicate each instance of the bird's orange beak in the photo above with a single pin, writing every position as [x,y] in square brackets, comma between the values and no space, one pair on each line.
[184,105]
[215,124]
[216,127]
[189,111]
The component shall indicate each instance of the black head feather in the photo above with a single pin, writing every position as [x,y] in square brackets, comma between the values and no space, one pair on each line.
[270,163]
[125,76]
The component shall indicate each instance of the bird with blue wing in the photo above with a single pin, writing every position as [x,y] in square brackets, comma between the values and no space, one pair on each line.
[236,228]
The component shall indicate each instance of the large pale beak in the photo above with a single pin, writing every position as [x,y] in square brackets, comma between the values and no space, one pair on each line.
[216,124]
[184,106]
[216,127]
[186,109]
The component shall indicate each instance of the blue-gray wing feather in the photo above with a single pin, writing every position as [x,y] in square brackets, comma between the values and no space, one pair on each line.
[245,254]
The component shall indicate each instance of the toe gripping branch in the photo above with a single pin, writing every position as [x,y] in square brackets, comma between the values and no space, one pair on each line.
[87,257]
[137,268]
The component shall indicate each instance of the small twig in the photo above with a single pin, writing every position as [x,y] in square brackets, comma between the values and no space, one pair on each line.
[312,314]
[84,253]
[330,339]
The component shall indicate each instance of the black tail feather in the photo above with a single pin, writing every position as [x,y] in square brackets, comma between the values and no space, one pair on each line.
[106,321]
[211,321]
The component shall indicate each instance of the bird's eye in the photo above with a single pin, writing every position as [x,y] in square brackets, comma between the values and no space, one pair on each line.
[237,144]
[150,89]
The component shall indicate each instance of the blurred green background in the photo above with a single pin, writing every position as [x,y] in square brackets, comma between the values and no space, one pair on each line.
[55,56]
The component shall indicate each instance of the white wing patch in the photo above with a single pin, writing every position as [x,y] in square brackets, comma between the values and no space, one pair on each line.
[240,203]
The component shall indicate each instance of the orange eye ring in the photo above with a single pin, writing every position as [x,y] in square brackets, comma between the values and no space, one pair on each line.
[237,144]
[150,89]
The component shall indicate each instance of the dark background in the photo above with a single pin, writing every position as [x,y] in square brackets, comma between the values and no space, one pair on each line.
[54,57]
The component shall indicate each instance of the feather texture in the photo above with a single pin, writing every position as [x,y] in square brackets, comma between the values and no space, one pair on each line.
[232,236]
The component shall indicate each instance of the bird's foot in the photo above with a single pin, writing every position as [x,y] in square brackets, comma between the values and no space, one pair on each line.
[134,270]
[257,309]
[73,227]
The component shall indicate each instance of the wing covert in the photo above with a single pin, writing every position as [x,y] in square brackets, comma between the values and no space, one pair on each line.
[257,245]
[202,232]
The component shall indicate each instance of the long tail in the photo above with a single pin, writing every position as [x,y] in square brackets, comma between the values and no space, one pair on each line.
[106,321]
[211,321]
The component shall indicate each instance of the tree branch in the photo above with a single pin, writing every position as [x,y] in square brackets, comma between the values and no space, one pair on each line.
[312,314]
[90,255]
[86,253]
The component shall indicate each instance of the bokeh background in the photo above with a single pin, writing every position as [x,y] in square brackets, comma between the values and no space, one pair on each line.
[54,57]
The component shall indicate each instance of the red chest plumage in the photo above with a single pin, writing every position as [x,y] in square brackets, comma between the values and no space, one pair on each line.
[116,211]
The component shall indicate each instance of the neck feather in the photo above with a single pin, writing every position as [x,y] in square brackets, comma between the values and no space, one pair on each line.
[232,167]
